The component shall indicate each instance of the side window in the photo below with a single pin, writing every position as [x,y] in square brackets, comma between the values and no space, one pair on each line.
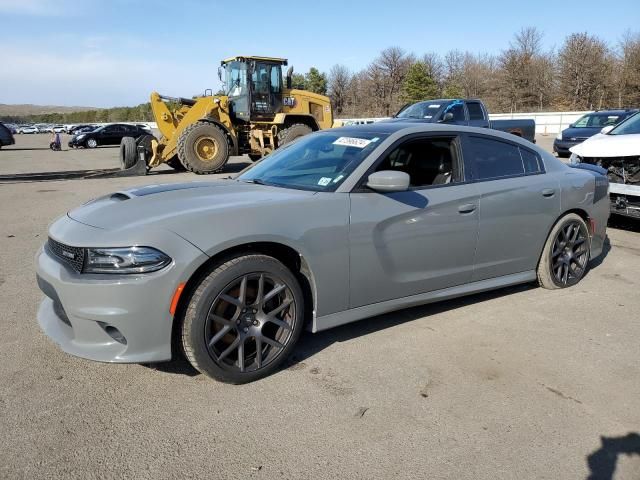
[494,159]
[475,111]
[276,80]
[427,161]
[531,161]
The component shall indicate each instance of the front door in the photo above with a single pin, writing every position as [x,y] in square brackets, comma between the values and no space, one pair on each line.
[423,239]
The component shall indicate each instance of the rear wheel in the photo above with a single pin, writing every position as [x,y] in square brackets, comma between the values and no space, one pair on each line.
[292,133]
[253,157]
[565,256]
[243,319]
[127,152]
[203,148]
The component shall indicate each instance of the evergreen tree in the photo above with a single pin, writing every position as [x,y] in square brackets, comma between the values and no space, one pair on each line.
[418,85]
[315,81]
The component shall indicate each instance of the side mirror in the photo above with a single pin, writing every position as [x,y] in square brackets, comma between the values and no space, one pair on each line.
[388,181]
[606,129]
[447,117]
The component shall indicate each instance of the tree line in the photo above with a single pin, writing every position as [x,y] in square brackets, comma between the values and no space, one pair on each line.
[585,73]
[140,113]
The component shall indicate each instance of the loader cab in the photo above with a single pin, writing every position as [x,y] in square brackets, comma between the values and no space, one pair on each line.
[254,86]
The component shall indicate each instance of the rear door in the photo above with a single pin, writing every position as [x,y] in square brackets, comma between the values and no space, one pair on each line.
[416,241]
[518,204]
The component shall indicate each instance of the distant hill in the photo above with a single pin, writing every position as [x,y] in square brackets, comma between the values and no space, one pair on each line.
[23,110]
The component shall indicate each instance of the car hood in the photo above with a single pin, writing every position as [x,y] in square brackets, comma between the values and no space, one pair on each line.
[406,120]
[580,133]
[609,146]
[158,204]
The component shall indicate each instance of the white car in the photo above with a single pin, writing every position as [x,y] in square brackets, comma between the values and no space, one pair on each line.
[28,130]
[59,129]
[617,150]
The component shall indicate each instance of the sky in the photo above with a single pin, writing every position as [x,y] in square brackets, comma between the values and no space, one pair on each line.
[105,53]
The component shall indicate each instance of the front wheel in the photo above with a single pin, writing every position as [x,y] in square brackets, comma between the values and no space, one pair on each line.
[566,253]
[292,133]
[203,148]
[243,319]
[91,143]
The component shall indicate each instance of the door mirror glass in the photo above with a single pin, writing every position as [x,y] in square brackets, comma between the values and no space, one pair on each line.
[388,181]
[607,129]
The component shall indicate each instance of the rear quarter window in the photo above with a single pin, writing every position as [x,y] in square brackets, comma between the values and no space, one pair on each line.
[494,159]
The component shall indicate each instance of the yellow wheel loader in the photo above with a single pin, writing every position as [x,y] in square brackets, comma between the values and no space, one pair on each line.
[258,113]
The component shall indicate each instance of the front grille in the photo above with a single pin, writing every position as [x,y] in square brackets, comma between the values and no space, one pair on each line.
[70,256]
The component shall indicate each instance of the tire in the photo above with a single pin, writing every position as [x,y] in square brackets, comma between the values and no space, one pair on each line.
[292,133]
[563,155]
[174,162]
[128,152]
[203,148]
[565,256]
[91,143]
[217,333]
[254,157]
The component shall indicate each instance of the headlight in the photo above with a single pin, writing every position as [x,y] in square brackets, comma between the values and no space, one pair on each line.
[559,136]
[573,159]
[80,137]
[125,260]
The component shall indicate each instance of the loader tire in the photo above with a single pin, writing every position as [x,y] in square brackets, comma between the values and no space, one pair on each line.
[292,133]
[174,162]
[254,157]
[203,148]
[127,152]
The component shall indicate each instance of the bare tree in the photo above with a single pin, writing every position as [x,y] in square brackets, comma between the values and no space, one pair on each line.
[339,79]
[627,71]
[584,71]
[386,75]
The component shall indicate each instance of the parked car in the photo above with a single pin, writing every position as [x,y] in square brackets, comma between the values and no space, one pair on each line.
[106,135]
[58,129]
[587,126]
[82,129]
[337,226]
[27,129]
[616,149]
[6,137]
[463,112]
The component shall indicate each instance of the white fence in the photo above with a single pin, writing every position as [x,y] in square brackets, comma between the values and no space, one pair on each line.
[547,123]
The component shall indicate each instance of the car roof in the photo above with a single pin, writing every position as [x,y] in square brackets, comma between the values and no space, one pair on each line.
[614,112]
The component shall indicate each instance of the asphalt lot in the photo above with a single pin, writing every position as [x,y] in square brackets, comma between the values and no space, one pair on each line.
[518,383]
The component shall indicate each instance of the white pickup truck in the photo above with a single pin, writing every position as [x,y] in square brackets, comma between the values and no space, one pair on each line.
[617,150]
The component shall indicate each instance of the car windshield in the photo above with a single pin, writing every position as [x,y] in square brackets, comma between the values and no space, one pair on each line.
[421,110]
[630,126]
[318,162]
[598,120]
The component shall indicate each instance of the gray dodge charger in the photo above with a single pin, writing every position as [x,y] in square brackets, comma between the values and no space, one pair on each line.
[338,226]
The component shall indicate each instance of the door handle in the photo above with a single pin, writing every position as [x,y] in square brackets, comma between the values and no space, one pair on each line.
[466,208]
[548,192]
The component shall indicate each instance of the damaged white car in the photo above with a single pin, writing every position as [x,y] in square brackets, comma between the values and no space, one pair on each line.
[617,150]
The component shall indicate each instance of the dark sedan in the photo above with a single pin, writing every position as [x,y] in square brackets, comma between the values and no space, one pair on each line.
[587,126]
[6,136]
[106,135]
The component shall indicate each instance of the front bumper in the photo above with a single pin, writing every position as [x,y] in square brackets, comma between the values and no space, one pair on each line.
[563,146]
[81,311]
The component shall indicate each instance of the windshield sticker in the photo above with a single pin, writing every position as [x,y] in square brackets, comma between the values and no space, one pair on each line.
[375,139]
[339,177]
[352,142]
[324,181]
[434,106]
[428,116]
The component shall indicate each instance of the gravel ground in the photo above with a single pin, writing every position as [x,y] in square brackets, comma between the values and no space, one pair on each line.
[519,383]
